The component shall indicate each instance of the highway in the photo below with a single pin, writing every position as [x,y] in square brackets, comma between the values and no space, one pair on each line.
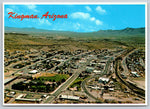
[83,85]
[123,62]
[138,91]
[105,71]
[67,83]
[64,85]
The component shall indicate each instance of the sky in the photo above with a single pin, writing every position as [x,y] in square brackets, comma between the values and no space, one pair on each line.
[81,18]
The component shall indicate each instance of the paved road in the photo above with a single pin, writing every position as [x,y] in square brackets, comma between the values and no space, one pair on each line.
[106,70]
[63,86]
[123,62]
[138,91]
[67,83]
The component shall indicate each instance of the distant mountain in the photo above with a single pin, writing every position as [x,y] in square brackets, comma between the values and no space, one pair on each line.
[128,31]
[100,33]
[27,30]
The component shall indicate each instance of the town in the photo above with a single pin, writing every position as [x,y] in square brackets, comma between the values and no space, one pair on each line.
[71,77]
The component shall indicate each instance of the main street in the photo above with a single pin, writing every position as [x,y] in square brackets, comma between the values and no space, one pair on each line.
[67,83]
[105,71]
[63,86]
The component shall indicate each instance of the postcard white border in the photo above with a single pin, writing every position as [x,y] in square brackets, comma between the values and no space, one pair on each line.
[81,3]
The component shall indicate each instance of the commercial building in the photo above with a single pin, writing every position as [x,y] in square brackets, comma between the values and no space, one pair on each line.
[68,97]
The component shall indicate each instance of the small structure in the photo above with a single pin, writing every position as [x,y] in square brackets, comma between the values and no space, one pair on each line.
[111,89]
[96,88]
[89,69]
[97,71]
[44,96]
[103,80]
[134,74]
[68,97]
[21,97]
[33,72]
[8,80]
[11,94]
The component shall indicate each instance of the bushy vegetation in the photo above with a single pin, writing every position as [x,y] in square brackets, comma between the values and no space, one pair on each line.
[77,83]
[55,78]
[39,84]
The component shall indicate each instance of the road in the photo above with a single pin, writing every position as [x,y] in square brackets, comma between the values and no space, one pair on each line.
[138,91]
[83,85]
[63,86]
[105,71]
[123,62]
[67,83]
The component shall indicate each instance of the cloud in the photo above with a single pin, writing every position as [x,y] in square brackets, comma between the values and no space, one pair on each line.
[100,10]
[92,19]
[43,22]
[32,7]
[80,15]
[77,26]
[86,16]
[98,22]
[9,10]
[88,8]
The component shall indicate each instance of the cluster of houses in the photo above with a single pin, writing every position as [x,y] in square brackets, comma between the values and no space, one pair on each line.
[136,63]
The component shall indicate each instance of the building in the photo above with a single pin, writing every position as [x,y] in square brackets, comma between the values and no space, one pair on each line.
[21,97]
[97,71]
[103,80]
[89,69]
[134,74]
[33,72]
[68,97]
[95,87]
[8,80]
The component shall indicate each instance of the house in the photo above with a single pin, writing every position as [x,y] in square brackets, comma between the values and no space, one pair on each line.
[95,87]
[68,97]
[103,80]
[21,97]
[33,72]
[89,69]
[134,74]
[97,71]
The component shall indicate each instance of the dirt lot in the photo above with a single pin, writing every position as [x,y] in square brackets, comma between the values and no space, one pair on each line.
[42,74]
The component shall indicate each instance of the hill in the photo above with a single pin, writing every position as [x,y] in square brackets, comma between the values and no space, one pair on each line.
[28,38]
[100,33]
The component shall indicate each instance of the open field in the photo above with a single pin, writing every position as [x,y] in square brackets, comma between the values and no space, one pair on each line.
[43,75]
[72,41]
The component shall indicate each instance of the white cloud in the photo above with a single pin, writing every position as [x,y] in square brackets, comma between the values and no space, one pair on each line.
[86,16]
[80,15]
[100,10]
[32,7]
[9,10]
[88,8]
[98,22]
[77,26]
[92,19]
[44,21]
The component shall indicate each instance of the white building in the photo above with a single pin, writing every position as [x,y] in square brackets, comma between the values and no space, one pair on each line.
[103,80]
[97,71]
[21,98]
[96,88]
[33,72]
[135,74]
[68,97]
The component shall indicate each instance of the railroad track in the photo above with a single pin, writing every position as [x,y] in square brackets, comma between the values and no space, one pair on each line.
[138,91]
[86,91]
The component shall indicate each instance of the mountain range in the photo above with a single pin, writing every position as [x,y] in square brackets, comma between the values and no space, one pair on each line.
[101,33]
